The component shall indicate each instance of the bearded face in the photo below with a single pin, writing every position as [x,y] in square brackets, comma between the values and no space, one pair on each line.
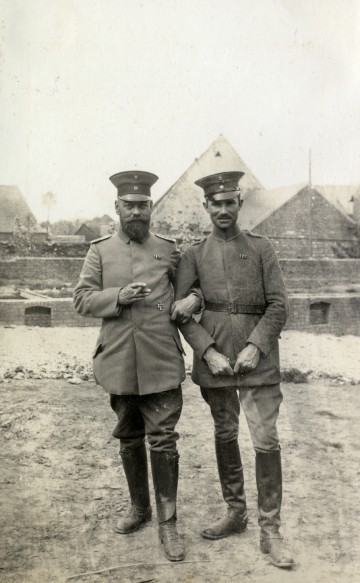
[134,218]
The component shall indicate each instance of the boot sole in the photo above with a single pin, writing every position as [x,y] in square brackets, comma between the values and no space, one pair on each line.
[140,525]
[173,559]
[220,536]
[276,563]
[281,565]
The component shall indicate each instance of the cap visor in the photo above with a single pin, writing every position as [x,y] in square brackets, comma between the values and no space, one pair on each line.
[134,197]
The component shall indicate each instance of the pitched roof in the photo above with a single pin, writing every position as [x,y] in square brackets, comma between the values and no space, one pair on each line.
[13,206]
[181,205]
[259,205]
[84,229]
[340,196]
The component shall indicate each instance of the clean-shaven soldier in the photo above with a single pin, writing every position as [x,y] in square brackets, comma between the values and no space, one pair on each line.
[236,356]
[127,281]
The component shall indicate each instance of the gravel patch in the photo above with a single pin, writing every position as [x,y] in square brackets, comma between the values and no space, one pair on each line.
[66,353]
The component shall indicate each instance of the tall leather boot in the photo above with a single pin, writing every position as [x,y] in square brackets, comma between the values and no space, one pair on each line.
[165,472]
[269,485]
[232,484]
[136,472]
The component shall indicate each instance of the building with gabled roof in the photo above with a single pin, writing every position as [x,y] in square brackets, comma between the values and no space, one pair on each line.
[303,220]
[15,214]
[86,232]
[180,208]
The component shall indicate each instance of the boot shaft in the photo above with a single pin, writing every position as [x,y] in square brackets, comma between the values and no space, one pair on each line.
[231,475]
[165,473]
[269,486]
[136,471]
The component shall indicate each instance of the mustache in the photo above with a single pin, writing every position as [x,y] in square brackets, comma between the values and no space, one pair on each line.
[139,220]
[224,217]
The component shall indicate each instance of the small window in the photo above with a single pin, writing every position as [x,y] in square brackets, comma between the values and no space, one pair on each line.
[217,155]
[319,313]
[38,316]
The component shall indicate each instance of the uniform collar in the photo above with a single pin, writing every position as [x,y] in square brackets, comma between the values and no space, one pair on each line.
[225,235]
[124,237]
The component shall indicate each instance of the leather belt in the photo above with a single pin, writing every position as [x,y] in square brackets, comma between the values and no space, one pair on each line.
[235,308]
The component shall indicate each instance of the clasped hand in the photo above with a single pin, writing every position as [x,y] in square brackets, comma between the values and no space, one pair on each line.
[133,292]
[182,310]
[219,364]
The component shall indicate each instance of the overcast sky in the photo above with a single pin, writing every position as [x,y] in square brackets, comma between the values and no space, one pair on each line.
[93,87]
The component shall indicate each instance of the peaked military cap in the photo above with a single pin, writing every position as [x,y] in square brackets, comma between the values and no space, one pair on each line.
[134,185]
[221,186]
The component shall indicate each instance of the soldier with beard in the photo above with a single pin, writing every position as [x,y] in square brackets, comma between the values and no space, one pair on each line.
[127,281]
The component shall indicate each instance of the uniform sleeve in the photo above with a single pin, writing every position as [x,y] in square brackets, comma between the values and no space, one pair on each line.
[174,263]
[175,260]
[90,299]
[186,282]
[276,313]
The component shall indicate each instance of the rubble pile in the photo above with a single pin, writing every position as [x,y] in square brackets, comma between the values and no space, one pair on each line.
[74,372]
[65,353]
[294,375]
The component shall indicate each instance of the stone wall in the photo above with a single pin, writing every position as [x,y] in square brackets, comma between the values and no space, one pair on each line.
[60,313]
[30,270]
[302,248]
[331,313]
[312,274]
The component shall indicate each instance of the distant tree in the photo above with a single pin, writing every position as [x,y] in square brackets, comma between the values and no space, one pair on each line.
[48,200]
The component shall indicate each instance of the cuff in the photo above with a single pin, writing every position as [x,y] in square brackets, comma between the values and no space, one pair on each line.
[261,343]
[199,295]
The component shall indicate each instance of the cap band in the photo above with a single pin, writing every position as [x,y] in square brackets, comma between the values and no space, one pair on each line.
[134,197]
[224,195]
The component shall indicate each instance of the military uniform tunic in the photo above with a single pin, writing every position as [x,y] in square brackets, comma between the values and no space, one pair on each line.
[138,351]
[243,270]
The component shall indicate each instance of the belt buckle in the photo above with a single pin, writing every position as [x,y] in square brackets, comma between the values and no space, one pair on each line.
[232,308]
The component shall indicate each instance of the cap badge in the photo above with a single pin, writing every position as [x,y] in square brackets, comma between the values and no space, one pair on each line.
[136,177]
[136,188]
[220,178]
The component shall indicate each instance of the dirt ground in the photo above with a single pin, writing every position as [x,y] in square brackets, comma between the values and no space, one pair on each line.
[62,490]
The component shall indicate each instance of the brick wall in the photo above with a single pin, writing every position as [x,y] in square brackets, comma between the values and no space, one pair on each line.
[62,313]
[342,313]
[298,274]
[28,270]
[311,274]
[342,317]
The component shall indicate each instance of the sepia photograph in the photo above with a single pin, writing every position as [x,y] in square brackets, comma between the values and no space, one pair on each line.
[179,291]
